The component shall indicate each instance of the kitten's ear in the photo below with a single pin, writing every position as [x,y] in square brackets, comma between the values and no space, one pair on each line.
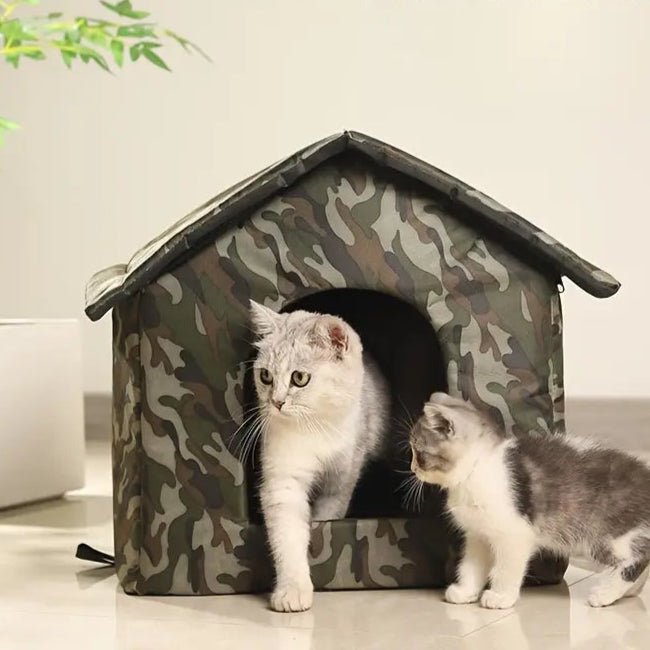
[437,420]
[332,333]
[444,399]
[264,320]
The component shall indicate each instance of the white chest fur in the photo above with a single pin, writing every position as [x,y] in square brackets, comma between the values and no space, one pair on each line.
[291,449]
[483,502]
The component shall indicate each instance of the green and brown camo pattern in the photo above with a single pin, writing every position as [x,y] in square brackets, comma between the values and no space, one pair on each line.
[181,520]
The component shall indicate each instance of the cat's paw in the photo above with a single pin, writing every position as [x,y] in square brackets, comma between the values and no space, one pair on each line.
[498,600]
[292,597]
[602,596]
[459,595]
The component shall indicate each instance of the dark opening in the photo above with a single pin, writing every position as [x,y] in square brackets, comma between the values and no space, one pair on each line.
[405,346]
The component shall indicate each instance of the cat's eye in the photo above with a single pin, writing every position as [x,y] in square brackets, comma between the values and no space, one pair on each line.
[299,378]
[266,377]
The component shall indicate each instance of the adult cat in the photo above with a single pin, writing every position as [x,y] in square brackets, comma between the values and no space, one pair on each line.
[324,408]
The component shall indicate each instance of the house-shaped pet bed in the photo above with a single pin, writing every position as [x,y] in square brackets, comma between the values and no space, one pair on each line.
[347,213]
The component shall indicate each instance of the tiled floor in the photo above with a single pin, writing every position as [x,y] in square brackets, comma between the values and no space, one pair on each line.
[50,600]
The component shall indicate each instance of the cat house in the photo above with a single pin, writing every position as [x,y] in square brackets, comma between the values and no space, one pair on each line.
[466,291]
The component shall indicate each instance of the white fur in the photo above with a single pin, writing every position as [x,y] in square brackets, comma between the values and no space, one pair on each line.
[318,441]
[499,542]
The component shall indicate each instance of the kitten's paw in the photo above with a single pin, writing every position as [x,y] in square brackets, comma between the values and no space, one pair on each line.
[603,596]
[459,595]
[292,597]
[498,600]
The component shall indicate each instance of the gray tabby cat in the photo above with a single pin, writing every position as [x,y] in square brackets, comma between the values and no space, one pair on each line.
[512,497]
[324,406]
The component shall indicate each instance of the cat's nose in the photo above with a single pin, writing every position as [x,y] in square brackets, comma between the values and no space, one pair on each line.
[277,403]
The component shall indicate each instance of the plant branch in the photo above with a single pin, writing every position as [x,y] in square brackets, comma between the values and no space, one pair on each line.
[84,39]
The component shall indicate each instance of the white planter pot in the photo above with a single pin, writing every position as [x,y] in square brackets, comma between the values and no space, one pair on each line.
[41,410]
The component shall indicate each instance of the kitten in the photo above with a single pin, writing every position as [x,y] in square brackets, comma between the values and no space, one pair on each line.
[325,408]
[512,497]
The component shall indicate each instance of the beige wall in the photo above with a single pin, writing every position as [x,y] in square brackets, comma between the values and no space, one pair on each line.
[545,106]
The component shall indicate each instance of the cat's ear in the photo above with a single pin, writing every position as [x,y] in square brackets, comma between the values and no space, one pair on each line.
[339,337]
[264,320]
[332,333]
[437,420]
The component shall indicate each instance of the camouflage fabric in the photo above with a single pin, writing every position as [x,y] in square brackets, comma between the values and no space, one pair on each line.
[127,400]
[108,287]
[181,513]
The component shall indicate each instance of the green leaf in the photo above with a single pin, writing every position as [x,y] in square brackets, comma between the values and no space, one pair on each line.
[100,61]
[87,54]
[37,55]
[137,31]
[73,36]
[11,29]
[125,8]
[186,44]
[14,30]
[95,36]
[54,27]
[54,15]
[135,52]
[12,59]
[8,125]
[67,57]
[149,54]
[117,48]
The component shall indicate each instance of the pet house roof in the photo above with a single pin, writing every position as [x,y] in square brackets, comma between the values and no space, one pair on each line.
[107,287]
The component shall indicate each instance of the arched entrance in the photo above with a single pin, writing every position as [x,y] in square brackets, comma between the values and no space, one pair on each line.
[404,344]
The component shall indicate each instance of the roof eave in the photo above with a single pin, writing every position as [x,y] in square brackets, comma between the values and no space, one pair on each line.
[221,211]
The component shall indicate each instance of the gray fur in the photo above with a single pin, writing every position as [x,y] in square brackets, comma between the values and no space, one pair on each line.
[583,496]
[333,488]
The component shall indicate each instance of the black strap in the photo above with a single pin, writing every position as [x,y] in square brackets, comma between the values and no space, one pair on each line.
[85,552]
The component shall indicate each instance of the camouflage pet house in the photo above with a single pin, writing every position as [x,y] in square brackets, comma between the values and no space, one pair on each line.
[348,212]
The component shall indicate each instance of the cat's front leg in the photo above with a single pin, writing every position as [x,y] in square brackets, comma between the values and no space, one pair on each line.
[473,571]
[285,504]
[336,491]
[511,556]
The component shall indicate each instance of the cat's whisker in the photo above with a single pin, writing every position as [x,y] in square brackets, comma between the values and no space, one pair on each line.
[413,492]
[409,495]
[261,434]
[409,416]
[400,426]
[250,363]
[252,423]
[403,445]
[239,450]
[249,453]
[244,415]
[251,439]
[249,418]
[420,495]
